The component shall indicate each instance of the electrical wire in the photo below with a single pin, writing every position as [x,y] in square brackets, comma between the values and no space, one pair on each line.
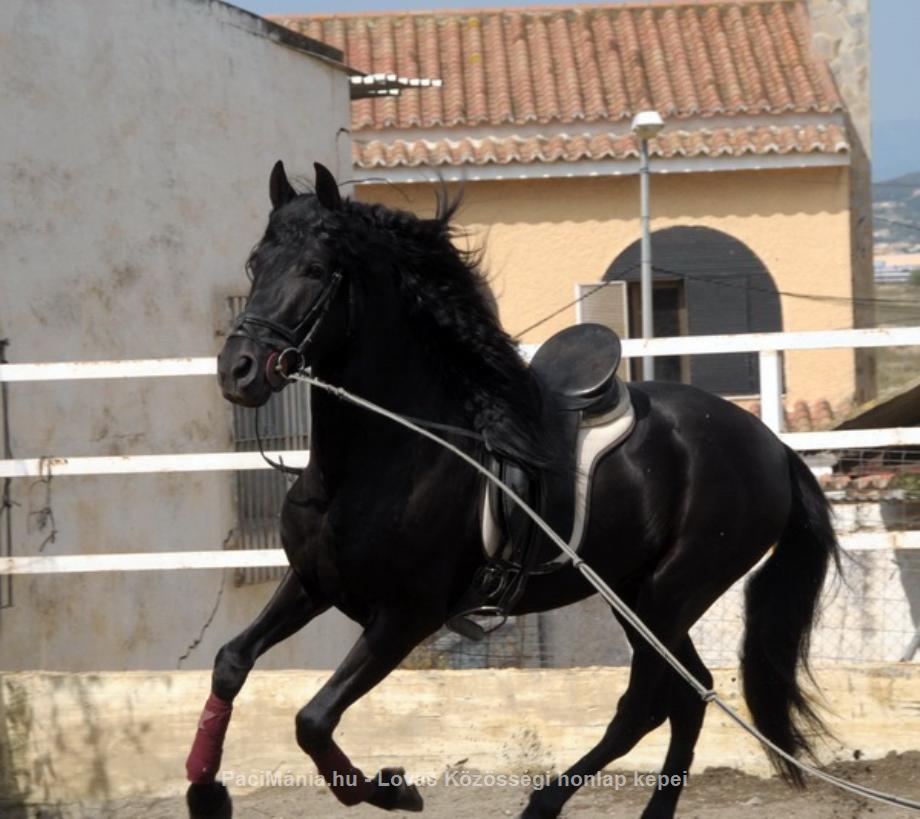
[898,223]
[726,281]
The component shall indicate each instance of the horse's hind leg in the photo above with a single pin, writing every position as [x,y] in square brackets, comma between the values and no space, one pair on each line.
[289,610]
[686,718]
[382,646]
[643,707]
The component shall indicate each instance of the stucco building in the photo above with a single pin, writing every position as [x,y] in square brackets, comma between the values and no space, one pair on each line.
[137,143]
[760,176]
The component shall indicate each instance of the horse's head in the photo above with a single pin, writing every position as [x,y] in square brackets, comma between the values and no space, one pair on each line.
[295,307]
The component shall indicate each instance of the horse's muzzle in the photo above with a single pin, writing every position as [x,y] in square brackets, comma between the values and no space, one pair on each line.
[242,373]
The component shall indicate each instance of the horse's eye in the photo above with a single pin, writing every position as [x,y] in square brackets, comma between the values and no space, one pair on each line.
[315,270]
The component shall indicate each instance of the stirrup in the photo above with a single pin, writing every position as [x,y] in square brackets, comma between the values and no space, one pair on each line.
[464,624]
[496,588]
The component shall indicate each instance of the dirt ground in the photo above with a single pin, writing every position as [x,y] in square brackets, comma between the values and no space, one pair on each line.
[719,793]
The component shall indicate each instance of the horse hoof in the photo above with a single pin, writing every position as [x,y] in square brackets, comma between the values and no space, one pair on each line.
[530,813]
[394,793]
[535,811]
[208,801]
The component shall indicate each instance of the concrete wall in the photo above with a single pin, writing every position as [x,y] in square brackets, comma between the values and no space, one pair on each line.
[137,142]
[93,737]
[541,237]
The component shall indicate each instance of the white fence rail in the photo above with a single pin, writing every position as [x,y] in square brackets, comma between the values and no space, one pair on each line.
[246,558]
[299,458]
[84,370]
[146,464]
[767,345]
[143,561]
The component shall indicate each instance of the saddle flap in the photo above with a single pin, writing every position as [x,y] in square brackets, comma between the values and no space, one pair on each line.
[550,493]
[561,499]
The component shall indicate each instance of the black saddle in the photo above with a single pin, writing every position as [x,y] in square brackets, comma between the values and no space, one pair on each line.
[576,371]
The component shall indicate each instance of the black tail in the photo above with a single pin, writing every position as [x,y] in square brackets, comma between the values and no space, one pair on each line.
[781,601]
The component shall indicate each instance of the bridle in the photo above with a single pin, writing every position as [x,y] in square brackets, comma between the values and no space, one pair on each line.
[291,358]
[282,367]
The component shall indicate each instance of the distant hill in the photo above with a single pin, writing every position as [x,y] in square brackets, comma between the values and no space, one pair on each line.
[896,208]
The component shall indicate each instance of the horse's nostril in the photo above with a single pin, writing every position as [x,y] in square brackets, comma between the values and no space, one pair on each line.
[243,367]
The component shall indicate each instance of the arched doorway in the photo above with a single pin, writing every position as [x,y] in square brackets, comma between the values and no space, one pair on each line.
[706,282]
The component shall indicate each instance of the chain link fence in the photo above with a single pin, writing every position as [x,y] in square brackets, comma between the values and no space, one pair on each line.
[870,613]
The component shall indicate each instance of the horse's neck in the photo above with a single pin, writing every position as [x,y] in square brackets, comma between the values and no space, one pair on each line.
[393,373]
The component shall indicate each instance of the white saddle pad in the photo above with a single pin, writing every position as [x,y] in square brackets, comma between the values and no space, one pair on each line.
[596,437]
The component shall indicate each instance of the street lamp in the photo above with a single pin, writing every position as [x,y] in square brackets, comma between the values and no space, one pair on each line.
[645,125]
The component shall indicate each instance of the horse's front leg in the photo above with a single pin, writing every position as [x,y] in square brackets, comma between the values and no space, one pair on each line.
[382,646]
[288,611]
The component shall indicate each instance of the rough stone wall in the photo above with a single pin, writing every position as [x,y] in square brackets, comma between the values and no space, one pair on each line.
[841,35]
[840,30]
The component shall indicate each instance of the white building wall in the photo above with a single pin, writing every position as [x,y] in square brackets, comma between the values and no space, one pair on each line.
[137,139]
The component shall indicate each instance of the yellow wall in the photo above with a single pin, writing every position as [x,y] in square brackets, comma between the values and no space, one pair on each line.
[544,236]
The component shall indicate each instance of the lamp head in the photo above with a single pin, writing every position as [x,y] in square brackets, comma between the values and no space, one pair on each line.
[647,124]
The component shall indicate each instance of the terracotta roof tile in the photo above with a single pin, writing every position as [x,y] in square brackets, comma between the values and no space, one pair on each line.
[734,142]
[585,63]
[408,66]
[804,416]
[876,487]
[587,69]
[497,74]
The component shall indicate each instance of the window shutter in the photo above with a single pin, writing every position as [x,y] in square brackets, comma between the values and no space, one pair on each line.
[605,303]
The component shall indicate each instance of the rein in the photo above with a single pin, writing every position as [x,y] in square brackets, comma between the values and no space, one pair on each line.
[706,694]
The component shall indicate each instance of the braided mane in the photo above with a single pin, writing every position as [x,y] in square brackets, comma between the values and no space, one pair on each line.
[449,304]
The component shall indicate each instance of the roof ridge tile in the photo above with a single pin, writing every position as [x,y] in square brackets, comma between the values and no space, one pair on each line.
[573,147]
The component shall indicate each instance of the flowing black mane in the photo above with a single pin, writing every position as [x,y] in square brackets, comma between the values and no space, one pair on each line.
[447,299]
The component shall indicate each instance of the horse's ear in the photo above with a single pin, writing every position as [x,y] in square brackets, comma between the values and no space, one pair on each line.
[279,189]
[327,189]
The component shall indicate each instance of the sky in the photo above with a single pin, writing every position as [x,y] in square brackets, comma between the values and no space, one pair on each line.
[895,78]
[895,68]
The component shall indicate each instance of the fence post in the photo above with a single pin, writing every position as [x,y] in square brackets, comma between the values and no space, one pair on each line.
[771,389]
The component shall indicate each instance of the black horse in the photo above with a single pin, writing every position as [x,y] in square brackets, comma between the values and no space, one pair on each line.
[385,525]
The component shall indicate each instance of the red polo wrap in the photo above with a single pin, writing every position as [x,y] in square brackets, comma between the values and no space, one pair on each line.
[203,761]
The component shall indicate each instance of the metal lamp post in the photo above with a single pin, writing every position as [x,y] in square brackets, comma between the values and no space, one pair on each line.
[645,125]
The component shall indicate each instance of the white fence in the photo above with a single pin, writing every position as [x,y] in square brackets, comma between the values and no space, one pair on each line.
[767,345]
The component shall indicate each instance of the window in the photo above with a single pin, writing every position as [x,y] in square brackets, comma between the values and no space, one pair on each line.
[705,283]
